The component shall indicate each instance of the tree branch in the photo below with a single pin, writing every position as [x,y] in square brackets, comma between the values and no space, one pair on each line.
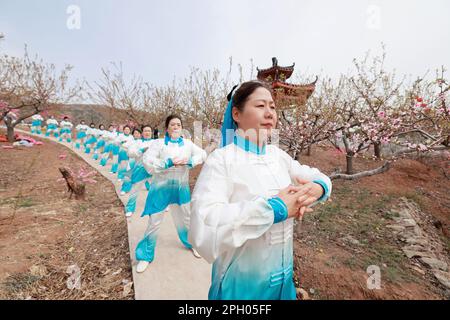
[385,167]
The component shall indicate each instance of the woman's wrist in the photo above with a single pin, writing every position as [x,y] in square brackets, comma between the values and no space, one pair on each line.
[324,187]
[169,163]
[280,210]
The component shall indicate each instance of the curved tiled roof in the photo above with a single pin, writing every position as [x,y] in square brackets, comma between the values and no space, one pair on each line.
[274,71]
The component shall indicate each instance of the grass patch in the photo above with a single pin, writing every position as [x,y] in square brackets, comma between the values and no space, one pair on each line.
[352,263]
[362,214]
[390,215]
[25,203]
[19,282]
[394,259]
[361,217]
[332,262]
[417,198]
[7,201]
[447,242]
[81,208]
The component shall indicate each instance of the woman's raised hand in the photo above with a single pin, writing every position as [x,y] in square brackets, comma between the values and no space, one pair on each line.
[290,196]
[308,192]
[180,161]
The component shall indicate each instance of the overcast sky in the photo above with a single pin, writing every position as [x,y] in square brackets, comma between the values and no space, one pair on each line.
[161,40]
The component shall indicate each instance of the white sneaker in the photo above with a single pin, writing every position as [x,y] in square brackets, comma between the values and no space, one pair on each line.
[195,253]
[141,266]
[122,193]
[119,180]
[128,214]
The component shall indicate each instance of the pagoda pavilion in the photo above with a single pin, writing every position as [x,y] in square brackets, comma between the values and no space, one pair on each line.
[288,95]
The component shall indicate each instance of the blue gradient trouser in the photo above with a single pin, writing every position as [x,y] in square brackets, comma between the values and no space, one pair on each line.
[145,249]
[97,151]
[66,135]
[115,164]
[36,129]
[134,192]
[50,131]
[105,157]
[79,142]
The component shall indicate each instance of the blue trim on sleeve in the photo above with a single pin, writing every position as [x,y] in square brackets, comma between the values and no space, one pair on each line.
[325,190]
[189,163]
[280,210]
[169,163]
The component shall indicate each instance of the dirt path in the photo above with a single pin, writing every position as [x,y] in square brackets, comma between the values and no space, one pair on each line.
[45,237]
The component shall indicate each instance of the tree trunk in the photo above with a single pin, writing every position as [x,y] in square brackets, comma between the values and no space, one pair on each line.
[308,151]
[446,142]
[377,150]
[10,133]
[73,185]
[385,167]
[349,157]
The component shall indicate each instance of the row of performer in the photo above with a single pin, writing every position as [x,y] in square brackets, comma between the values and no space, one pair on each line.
[241,214]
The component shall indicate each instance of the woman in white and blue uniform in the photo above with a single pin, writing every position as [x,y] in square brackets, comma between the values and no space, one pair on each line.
[138,176]
[81,129]
[91,138]
[100,144]
[168,160]
[137,137]
[126,176]
[245,199]
[120,167]
[52,127]
[115,148]
[108,137]
[36,124]
[65,131]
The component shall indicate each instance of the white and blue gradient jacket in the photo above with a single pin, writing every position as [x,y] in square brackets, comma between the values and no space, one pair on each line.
[233,224]
[52,122]
[136,148]
[170,184]
[37,119]
[81,127]
[66,125]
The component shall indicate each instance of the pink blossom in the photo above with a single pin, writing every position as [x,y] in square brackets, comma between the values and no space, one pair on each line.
[385,140]
[3,106]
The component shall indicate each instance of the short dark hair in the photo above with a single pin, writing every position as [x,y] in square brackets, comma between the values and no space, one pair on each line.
[155,133]
[173,116]
[136,129]
[244,91]
[146,126]
[100,125]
